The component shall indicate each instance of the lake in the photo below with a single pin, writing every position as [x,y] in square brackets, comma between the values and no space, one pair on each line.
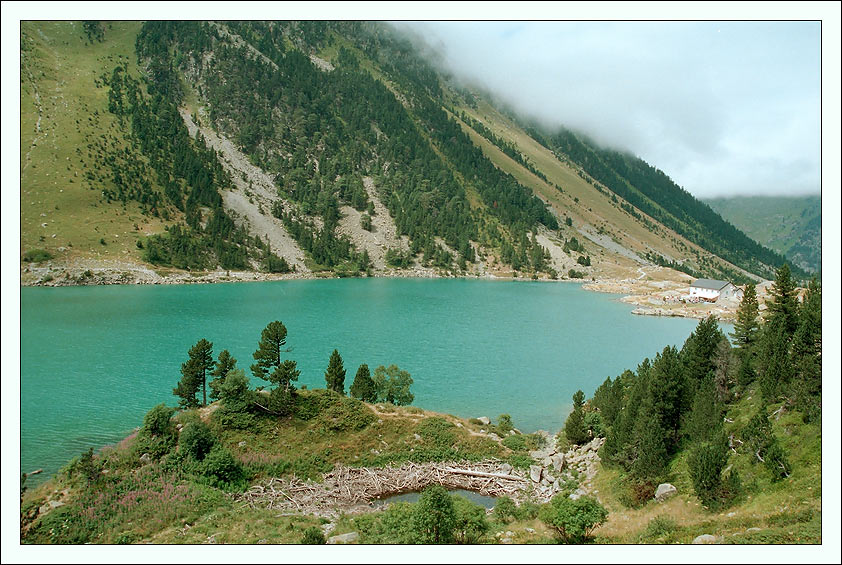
[94,360]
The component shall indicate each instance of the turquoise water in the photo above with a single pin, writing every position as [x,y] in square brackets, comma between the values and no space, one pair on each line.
[94,360]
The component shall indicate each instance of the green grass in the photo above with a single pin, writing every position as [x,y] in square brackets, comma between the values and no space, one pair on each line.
[55,159]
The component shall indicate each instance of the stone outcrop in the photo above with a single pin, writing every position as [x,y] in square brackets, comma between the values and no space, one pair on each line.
[350,537]
[665,491]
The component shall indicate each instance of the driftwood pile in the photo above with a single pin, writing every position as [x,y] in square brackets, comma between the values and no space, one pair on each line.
[347,487]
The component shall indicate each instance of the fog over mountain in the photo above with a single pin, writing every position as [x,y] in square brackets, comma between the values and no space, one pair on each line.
[724,108]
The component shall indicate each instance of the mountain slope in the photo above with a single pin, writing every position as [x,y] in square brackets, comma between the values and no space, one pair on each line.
[789,225]
[334,146]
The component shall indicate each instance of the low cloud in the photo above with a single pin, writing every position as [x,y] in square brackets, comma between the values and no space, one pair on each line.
[724,108]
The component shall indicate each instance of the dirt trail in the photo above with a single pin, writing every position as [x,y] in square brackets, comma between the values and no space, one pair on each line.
[251,201]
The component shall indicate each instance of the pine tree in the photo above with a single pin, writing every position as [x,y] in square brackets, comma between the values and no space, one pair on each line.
[669,391]
[650,445]
[194,374]
[705,419]
[699,350]
[335,373]
[574,427]
[363,386]
[807,353]
[784,302]
[269,367]
[747,325]
[706,461]
[776,370]
[224,365]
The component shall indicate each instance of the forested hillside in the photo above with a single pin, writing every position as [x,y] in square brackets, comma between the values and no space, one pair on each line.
[789,225]
[331,146]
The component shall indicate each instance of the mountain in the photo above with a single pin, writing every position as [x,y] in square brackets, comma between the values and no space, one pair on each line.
[324,146]
[790,225]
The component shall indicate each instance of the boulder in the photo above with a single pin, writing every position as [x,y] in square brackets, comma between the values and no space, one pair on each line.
[704,539]
[505,468]
[558,462]
[350,537]
[547,462]
[145,458]
[535,472]
[665,491]
[494,436]
[484,420]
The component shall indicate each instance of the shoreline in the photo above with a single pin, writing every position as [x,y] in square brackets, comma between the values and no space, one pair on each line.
[656,293]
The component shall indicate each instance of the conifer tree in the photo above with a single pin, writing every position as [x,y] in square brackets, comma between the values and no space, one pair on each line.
[194,374]
[224,365]
[650,446]
[807,353]
[269,367]
[363,386]
[668,389]
[574,427]
[705,419]
[747,325]
[784,302]
[335,373]
[699,350]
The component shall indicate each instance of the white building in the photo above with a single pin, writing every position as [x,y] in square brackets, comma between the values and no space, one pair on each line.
[712,290]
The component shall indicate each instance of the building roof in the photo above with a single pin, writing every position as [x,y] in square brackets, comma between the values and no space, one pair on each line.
[710,284]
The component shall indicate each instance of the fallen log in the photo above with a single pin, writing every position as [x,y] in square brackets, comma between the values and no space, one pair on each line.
[486,475]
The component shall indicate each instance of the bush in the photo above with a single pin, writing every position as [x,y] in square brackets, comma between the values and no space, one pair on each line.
[437,431]
[706,461]
[505,510]
[221,470]
[504,424]
[470,524]
[37,256]
[196,440]
[313,536]
[157,436]
[658,528]
[515,443]
[573,520]
[434,517]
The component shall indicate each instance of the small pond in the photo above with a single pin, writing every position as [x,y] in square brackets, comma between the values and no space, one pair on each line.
[485,501]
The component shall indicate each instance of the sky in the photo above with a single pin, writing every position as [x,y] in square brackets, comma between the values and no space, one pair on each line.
[724,108]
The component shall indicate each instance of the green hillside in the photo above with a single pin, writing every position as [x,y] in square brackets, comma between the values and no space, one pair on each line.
[790,225]
[324,122]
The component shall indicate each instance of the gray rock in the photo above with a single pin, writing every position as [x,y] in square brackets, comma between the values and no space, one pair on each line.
[550,478]
[242,444]
[505,468]
[56,503]
[558,462]
[704,539]
[574,496]
[665,491]
[547,462]
[417,437]
[494,436]
[754,530]
[535,472]
[530,530]
[506,541]
[145,458]
[350,537]
[512,432]
[484,420]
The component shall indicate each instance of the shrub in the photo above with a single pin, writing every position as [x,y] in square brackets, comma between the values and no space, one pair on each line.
[313,536]
[658,527]
[434,517]
[505,510]
[157,435]
[504,424]
[221,470]
[37,256]
[515,442]
[470,523]
[437,431]
[196,440]
[573,520]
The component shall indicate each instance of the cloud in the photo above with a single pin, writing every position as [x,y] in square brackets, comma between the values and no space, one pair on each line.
[722,107]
